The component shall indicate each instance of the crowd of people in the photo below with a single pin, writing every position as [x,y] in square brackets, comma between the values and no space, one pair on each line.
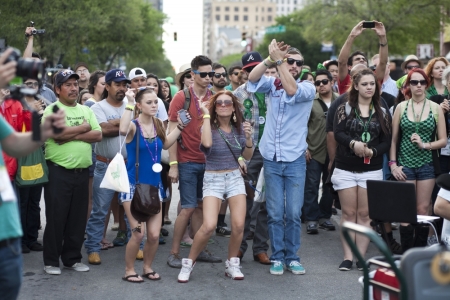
[302,130]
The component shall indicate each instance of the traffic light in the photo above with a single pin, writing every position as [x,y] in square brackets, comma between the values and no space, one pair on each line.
[244,39]
[175,36]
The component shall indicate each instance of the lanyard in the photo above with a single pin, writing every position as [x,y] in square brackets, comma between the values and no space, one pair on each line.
[365,137]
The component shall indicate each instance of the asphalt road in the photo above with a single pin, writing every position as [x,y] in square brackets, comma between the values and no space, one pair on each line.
[320,254]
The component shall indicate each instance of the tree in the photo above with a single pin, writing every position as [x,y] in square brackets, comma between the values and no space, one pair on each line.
[95,31]
[231,60]
[407,22]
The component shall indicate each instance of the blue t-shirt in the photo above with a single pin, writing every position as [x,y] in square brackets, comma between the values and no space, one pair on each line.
[146,174]
[10,226]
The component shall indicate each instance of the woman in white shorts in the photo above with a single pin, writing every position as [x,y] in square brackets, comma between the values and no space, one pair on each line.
[362,129]
[152,139]
[226,141]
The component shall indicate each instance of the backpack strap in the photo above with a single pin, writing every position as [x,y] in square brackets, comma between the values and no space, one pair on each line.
[187,99]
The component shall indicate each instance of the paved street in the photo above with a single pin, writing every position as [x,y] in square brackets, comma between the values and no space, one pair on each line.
[320,254]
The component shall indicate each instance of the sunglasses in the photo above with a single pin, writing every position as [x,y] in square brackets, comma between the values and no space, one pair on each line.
[31,84]
[291,61]
[217,75]
[204,74]
[323,81]
[236,73]
[412,67]
[416,82]
[227,103]
[188,76]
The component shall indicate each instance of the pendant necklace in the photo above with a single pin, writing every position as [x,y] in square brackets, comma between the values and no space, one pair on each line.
[237,146]
[365,136]
[417,119]
[157,167]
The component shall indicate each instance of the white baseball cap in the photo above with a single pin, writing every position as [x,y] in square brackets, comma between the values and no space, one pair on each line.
[136,72]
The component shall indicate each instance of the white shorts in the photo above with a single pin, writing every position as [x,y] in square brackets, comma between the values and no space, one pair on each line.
[342,179]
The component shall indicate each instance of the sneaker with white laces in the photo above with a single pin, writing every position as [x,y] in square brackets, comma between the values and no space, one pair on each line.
[296,268]
[79,267]
[186,269]
[277,268]
[52,270]
[233,269]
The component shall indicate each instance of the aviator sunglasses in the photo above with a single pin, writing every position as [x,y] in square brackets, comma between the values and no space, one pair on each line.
[323,81]
[204,74]
[416,82]
[227,103]
[291,61]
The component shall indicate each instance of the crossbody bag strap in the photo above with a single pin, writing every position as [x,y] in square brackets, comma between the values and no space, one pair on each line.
[235,158]
[136,164]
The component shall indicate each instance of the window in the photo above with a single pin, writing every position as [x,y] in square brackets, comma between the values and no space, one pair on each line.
[227,8]
[217,8]
[269,9]
[227,18]
[217,17]
[257,9]
[256,19]
[246,9]
[236,8]
[262,19]
[262,9]
[269,18]
[236,18]
[245,18]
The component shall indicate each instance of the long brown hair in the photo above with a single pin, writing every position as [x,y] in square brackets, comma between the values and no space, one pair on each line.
[237,109]
[160,130]
[376,99]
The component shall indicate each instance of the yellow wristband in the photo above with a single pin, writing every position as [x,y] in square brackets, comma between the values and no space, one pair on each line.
[270,59]
[173,163]
[240,158]
[129,106]
[206,117]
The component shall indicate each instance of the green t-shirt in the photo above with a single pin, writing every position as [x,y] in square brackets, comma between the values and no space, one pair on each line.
[229,87]
[10,226]
[75,154]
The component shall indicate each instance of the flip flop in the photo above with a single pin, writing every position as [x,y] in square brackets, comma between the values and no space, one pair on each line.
[184,244]
[106,246]
[146,275]
[126,278]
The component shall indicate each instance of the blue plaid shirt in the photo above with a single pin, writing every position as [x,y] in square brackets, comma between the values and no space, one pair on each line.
[286,120]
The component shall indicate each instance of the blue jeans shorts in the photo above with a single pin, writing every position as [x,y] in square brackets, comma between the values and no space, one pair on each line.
[421,173]
[223,185]
[190,177]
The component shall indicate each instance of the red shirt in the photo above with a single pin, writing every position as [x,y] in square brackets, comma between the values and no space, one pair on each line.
[12,111]
[191,135]
[344,85]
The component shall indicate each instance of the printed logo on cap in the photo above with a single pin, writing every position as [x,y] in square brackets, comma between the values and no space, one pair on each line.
[120,74]
[250,58]
[67,73]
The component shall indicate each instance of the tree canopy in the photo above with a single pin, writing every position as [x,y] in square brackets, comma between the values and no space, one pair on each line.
[101,33]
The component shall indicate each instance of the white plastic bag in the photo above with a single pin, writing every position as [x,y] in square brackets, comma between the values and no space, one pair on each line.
[260,193]
[116,175]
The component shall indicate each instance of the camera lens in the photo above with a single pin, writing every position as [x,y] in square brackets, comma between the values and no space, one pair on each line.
[27,67]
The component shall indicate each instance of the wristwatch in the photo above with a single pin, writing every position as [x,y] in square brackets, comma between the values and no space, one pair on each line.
[279,62]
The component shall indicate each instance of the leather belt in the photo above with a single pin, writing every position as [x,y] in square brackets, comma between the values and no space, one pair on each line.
[105,160]
[7,242]
[74,170]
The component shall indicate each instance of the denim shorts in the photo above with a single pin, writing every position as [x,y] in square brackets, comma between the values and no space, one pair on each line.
[421,173]
[190,178]
[223,185]
[342,179]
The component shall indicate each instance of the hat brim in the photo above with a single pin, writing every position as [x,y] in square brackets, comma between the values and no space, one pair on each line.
[139,216]
[179,75]
[121,79]
[74,75]
[251,64]
[403,66]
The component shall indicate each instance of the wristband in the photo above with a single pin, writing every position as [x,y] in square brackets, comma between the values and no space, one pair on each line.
[173,163]
[240,158]
[391,162]
[206,117]
[129,107]
[270,59]
[267,66]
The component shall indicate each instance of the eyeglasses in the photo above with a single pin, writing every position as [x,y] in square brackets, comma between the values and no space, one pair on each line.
[217,75]
[416,82]
[412,67]
[227,103]
[235,73]
[31,84]
[204,74]
[323,81]
[188,76]
[291,61]
[82,71]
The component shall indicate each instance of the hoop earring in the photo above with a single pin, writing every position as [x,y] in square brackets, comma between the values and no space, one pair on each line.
[234,117]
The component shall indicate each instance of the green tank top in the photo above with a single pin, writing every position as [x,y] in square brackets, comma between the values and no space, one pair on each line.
[410,155]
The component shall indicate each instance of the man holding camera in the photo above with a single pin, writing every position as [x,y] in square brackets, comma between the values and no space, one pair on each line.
[68,156]
[15,144]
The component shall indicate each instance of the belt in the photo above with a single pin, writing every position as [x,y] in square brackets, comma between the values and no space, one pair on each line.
[7,242]
[105,160]
[75,170]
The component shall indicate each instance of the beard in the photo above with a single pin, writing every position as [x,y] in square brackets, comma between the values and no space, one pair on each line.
[220,84]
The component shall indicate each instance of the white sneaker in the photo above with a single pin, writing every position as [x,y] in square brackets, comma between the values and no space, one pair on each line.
[79,267]
[52,270]
[186,270]
[233,269]
[431,240]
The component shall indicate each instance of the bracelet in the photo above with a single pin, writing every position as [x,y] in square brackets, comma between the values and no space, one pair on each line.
[391,162]
[352,144]
[264,62]
[423,145]
[206,116]
[240,158]
[270,59]
[248,146]
[179,127]
[129,107]
[382,45]
[430,146]
[173,163]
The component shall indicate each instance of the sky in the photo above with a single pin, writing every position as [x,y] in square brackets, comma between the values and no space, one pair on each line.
[186,19]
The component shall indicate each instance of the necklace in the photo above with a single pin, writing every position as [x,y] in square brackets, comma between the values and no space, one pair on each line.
[237,146]
[416,116]
[365,136]
[157,167]
[207,96]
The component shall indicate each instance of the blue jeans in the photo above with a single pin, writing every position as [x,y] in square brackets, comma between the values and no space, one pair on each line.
[311,209]
[191,183]
[285,188]
[10,270]
[101,201]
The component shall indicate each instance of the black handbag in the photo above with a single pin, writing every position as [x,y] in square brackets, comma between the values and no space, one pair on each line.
[146,202]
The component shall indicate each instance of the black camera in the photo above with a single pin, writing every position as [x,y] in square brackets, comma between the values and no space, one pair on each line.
[35,31]
[27,67]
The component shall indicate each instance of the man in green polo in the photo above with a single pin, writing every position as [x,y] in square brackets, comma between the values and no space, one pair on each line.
[68,158]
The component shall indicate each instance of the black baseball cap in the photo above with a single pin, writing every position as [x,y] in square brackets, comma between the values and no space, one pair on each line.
[64,75]
[251,59]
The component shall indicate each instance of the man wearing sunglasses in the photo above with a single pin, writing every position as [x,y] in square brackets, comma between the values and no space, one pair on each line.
[233,74]
[219,80]
[187,162]
[411,62]
[318,216]
[283,146]
[346,60]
